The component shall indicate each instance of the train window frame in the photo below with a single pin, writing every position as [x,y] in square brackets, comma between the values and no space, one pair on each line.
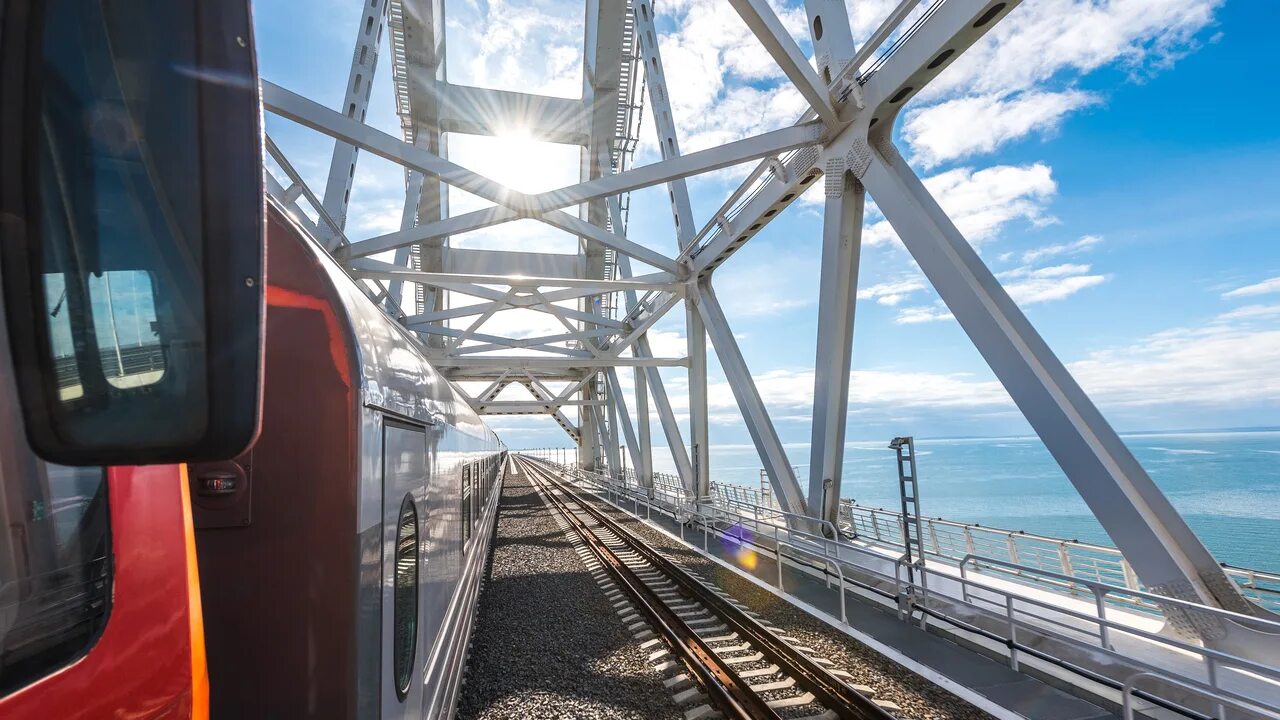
[175,419]
[59,656]
[464,500]
[402,674]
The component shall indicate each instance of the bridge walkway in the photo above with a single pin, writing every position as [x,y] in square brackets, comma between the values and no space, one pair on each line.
[989,684]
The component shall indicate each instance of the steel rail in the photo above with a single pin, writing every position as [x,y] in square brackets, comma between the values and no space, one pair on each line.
[725,688]
[828,690]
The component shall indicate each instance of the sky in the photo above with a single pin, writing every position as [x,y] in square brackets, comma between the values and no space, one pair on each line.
[1115,162]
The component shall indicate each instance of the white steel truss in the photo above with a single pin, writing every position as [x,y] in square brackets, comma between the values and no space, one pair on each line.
[606,311]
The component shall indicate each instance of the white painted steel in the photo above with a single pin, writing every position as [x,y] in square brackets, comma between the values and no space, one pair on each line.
[856,94]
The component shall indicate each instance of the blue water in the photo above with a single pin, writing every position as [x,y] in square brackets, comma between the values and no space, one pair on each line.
[1226,485]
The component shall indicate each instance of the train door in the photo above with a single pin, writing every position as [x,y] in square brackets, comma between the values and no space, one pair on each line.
[404,481]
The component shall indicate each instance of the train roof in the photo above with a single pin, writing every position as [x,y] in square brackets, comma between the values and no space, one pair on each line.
[395,375]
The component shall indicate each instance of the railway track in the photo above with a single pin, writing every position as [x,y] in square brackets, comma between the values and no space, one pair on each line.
[719,658]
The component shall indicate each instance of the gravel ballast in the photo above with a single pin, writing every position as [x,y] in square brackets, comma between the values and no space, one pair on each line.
[546,642]
[918,698]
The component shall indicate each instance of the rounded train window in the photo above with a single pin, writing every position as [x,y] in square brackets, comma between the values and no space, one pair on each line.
[405,600]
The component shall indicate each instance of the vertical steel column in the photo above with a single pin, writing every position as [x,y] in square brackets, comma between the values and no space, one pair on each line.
[682,213]
[611,431]
[601,68]
[670,428]
[424,48]
[355,103]
[624,417]
[700,450]
[1165,553]
[832,38]
[754,414]
[841,246]
[408,220]
[644,464]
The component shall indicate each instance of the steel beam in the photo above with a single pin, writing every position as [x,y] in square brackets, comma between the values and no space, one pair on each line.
[408,220]
[928,48]
[754,414]
[667,418]
[698,481]
[837,297]
[677,167]
[831,35]
[1163,551]
[582,286]
[355,103]
[317,117]
[644,461]
[437,229]
[768,29]
[699,424]
[624,418]
[530,362]
[486,111]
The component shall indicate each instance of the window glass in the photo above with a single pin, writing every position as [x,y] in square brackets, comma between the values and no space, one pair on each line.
[405,603]
[124,314]
[120,195]
[466,503]
[55,567]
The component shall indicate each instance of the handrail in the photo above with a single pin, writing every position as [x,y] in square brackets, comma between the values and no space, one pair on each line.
[1106,588]
[1131,684]
[820,522]
[844,617]
[1030,621]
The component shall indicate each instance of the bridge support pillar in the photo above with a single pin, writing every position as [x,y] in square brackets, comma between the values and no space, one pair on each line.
[841,246]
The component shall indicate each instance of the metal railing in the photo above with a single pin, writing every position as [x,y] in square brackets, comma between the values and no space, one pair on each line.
[953,541]
[1011,621]
[1219,702]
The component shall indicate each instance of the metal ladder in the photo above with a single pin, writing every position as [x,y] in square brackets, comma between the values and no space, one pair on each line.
[909,491]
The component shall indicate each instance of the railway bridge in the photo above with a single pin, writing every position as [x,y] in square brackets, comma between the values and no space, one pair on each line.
[601,377]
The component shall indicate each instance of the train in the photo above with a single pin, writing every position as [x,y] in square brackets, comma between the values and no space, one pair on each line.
[331,570]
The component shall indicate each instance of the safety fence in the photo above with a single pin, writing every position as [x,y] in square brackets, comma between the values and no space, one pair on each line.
[1201,681]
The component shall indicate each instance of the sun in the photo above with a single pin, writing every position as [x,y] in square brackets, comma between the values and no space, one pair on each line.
[516,160]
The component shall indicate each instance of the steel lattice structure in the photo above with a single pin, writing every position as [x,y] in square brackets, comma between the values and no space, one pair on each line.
[855,94]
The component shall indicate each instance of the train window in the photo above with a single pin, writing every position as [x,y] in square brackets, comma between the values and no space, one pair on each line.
[55,568]
[466,504]
[405,599]
[124,317]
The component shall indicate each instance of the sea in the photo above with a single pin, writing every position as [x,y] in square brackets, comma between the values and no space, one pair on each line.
[1225,484]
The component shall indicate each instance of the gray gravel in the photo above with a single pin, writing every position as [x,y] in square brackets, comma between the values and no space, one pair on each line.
[546,643]
[918,698]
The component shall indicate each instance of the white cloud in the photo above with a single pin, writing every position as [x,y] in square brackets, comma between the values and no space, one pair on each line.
[789,393]
[1042,40]
[891,293]
[1038,289]
[1228,362]
[1017,80]
[967,126]
[923,314]
[529,47]
[1071,248]
[982,202]
[1251,312]
[1268,286]
[1026,285]
[1222,364]
[723,85]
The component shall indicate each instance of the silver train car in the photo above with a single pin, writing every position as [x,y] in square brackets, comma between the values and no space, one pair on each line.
[340,557]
